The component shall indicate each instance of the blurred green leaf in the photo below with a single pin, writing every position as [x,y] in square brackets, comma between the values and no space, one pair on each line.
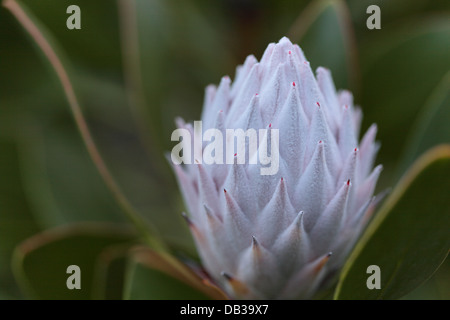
[99,32]
[56,157]
[170,52]
[40,262]
[150,284]
[408,237]
[174,56]
[151,276]
[437,288]
[17,61]
[442,280]
[109,273]
[401,65]
[56,60]
[391,12]
[50,140]
[117,138]
[16,220]
[4,296]
[432,124]
[324,31]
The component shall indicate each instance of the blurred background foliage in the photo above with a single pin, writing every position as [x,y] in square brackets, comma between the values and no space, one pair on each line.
[399,76]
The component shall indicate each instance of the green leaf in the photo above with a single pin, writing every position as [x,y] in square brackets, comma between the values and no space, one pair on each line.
[109,273]
[401,65]
[408,238]
[171,54]
[324,31]
[61,181]
[99,32]
[44,41]
[40,262]
[152,276]
[437,288]
[391,11]
[150,284]
[165,74]
[16,220]
[432,124]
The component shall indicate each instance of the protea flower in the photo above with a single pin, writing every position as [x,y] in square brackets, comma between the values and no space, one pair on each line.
[282,235]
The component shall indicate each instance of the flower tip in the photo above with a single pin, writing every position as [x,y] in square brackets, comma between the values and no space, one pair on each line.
[321,263]
[323,69]
[373,129]
[207,210]
[255,243]
[237,286]
[256,249]
[187,219]
[179,122]
[285,40]
[299,218]
[226,276]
